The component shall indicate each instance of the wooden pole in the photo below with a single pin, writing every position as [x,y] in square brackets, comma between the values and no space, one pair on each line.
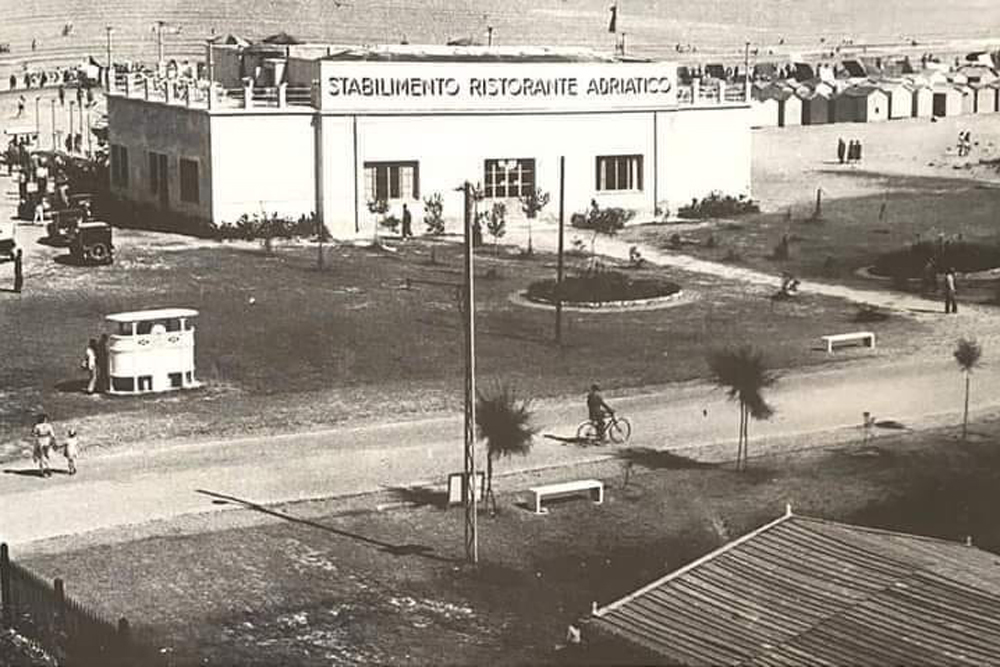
[7,612]
[559,263]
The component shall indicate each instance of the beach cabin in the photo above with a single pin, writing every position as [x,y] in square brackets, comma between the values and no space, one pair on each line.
[151,351]
[947,101]
[862,104]
[984,98]
[816,107]
[923,101]
[789,107]
[764,108]
[968,98]
[900,99]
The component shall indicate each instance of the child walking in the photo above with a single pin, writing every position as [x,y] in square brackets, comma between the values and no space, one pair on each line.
[71,450]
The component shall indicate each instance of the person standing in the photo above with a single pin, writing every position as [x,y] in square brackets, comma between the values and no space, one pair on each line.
[44,437]
[407,222]
[90,364]
[20,106]
[13,81]
[841,150]
[857,150]
[71,450]
[39,218]
[950,291]
[18,271]
[62,94]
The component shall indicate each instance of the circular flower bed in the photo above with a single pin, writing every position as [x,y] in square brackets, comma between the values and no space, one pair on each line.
[911,262]
[601,287]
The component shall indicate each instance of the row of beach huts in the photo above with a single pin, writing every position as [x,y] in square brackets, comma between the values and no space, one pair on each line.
[927,94]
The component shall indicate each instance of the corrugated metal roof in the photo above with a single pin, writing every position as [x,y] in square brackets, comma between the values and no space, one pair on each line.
[803,591]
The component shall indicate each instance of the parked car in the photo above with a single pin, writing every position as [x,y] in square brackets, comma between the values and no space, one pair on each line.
[92,243]
[7,241]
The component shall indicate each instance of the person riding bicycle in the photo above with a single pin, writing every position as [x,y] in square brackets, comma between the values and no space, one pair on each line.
[598,409]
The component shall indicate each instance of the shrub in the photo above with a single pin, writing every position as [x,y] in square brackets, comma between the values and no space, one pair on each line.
[599,287]
[717,205]
[675,241]
[911,262]
[434,214]
[533,202]
[496,224]
[601,221]
[391,223]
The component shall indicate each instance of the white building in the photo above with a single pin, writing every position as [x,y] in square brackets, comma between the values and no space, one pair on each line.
[403,123]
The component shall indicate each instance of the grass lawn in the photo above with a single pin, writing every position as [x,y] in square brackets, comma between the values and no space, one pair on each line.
[850,234]
[317,348]
[337,583]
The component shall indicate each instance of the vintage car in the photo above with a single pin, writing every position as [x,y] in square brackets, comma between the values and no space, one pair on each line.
[91,243]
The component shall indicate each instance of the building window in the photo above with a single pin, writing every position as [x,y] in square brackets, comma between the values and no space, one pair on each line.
[392,180]
[509,178]
[157,171]
[619,172]
[119,165]
[189,181]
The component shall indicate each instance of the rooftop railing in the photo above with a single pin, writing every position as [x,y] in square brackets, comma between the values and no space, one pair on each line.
[199,94]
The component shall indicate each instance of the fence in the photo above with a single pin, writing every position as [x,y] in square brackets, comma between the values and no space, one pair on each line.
[68,630]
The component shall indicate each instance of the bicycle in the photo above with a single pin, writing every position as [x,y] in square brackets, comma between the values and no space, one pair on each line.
[618,429]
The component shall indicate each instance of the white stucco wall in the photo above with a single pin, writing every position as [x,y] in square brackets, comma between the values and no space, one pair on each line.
[451,149]
[172,130]
[704,150]
[263,161]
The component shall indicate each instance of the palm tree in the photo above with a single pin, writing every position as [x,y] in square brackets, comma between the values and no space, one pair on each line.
[967,354]
[503,420]
[742,373]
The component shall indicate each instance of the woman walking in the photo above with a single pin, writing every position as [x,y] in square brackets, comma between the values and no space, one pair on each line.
[44,437]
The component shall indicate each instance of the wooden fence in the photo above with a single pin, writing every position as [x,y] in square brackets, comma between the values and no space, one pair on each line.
[71,632]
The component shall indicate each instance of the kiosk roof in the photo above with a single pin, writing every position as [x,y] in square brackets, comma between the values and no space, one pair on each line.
[157,314]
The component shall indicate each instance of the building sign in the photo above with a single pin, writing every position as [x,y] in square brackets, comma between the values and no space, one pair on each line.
[386,87]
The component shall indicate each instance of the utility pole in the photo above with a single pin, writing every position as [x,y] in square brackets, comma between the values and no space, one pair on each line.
[469,312]
[559,264]
[55,144]
[38,121]
[109,84]
[746,71]
[71,103]
[159,43]
[489,35]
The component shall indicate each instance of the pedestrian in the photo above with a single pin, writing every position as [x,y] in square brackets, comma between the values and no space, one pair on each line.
[950,291]
[44,439]
[71,449]
[857,150]
[18,271]
[79,94]
[34,43]
[90,96]
[39,218]
[103,372]
[850,151]
[841,150]
[20,106]
[930,276]
[407,222]
[13,82]
[62,94]
[78,142]
[89,363]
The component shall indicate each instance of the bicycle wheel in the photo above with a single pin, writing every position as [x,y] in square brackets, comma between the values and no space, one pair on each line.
[586,431]
[619,430]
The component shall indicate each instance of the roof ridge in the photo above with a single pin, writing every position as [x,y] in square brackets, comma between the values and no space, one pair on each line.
[599,612]
[896,533]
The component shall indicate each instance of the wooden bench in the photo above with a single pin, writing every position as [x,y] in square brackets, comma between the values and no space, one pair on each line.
[567,489]
[867,338]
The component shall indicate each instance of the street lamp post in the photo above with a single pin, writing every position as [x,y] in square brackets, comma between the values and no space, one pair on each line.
[469,317]
[69,148]
[38,120]
[55,145]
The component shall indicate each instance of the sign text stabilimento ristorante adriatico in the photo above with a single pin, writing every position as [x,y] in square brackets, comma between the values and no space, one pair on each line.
[373,86]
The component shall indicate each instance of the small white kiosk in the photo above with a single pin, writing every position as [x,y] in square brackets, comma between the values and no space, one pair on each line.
[151,351]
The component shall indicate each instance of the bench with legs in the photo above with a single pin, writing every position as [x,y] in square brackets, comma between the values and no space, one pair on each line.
[866,338]
[589,486]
